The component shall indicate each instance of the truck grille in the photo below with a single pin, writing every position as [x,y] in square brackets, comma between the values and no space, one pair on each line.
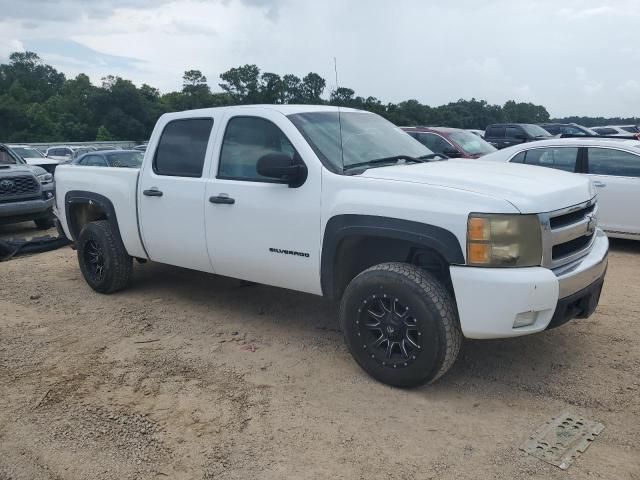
[568,234]
[17,188]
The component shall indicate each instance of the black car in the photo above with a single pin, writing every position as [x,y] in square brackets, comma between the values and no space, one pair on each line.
[572,129]
[111,158]
[502,135]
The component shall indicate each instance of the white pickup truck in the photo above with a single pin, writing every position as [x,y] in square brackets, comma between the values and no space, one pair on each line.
[420,251]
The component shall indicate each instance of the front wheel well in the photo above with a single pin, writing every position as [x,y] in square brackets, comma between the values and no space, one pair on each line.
[357,253]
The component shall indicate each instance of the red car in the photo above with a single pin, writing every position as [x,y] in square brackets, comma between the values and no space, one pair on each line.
[452,142]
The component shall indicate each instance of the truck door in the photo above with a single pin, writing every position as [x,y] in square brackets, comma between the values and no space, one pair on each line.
[259,230]
[171,194]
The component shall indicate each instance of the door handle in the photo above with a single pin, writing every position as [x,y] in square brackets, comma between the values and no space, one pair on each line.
[152,192]
[599,184]
[224,199]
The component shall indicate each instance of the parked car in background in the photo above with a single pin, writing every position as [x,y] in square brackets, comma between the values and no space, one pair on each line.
[142,148]
[502,135]
[78,152]
[452,142]
[33,156]
[26,191]
[567,129]
[615,131]
[613,166]
[111,158]
[61,152]
[479,133]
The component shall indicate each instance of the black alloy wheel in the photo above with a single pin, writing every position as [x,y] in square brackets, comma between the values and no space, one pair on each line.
[389,331]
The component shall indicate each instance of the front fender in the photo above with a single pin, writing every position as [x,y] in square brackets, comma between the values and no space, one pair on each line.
[341,227]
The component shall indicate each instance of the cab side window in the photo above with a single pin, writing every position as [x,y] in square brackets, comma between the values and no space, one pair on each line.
[182,147]
[94,161]
[563,158]
[514,132]
[433,142]
[495,132]
[519,158]
[246,140]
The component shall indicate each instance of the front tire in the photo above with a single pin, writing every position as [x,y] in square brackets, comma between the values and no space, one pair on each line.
[400,324]
[103,260]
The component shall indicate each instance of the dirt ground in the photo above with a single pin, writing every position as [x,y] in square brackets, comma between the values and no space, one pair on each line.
[193,376]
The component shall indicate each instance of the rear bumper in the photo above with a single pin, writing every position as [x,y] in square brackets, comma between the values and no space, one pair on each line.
[491,300]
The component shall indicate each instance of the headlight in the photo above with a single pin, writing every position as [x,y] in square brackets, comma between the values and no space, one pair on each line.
[45,178]
[503,240]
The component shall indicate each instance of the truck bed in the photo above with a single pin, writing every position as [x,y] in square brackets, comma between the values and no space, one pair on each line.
[116,184]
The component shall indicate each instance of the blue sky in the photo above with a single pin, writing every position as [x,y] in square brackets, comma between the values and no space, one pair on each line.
[575,57]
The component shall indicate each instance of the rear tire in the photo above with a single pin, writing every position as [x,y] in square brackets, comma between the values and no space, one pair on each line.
[400,324]
[104,262]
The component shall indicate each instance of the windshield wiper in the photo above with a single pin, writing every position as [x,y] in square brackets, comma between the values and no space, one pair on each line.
[378,161]
[432,156]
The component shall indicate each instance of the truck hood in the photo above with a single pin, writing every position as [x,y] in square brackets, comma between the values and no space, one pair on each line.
[21,169]
[529,188]
[15,169]
[41,161]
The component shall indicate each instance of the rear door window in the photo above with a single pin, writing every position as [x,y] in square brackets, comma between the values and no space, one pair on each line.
[513,132]
[607,161]
[605,131]
[561,158]
[495,132]
[182,147]
[94,161]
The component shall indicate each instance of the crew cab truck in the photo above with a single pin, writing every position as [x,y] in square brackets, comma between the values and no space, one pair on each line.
[419,251]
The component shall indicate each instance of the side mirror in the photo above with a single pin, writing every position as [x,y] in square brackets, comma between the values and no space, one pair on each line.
[520,136]
[283,168]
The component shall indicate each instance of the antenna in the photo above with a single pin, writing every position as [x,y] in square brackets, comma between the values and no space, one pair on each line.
[335,68]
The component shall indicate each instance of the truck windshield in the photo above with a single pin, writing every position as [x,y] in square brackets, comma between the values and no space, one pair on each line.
[472,144]
[536,131]
[366,138]
[27,152]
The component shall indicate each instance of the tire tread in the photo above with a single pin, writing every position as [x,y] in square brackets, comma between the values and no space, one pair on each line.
[122,261]
[442,300]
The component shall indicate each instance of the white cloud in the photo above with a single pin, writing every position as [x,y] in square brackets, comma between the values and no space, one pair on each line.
[581,58]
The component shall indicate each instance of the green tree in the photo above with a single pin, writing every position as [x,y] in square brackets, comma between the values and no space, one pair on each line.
[342,96]
[292,89]
[242,84]
[103,134]
[312,87]
[38,103]
[195,83]
[271,88]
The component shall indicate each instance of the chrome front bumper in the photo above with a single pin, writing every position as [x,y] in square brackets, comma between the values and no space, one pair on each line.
[581,273]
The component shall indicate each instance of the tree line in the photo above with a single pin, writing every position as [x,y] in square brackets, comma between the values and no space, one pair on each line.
[40,104]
